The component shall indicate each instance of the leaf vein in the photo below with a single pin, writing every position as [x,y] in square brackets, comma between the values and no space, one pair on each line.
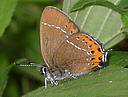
[76,15]
[119,32]
[104,22]
[86,17]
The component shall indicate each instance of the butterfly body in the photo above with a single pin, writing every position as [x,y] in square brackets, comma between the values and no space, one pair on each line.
[67,52]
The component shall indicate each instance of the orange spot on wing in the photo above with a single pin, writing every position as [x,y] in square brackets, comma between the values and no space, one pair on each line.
[61,18]
[94,48]
[95,64]
[70,26]
[73,30]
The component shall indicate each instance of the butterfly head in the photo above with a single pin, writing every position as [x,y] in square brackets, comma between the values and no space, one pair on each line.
[43,70]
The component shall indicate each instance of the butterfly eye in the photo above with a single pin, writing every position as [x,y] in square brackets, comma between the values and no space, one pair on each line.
[43,70]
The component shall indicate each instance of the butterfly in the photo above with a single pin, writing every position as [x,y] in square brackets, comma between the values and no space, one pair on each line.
[66,50]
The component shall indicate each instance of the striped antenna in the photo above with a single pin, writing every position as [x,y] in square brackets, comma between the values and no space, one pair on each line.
[30,65]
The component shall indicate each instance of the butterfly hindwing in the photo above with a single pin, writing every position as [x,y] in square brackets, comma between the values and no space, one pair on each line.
[76,50]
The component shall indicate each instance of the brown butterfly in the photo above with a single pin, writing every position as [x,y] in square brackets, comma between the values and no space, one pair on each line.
[66,51]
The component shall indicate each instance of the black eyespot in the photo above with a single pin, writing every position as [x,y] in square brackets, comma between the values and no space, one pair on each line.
[86,36]
[85,42]
[92,52]
[100,58]
[90,46]
[102,63]
[90,39]
[99,49]
[77,38]
[70,32]
[92,59]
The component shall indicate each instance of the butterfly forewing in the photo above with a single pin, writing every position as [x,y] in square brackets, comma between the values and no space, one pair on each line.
[55,27]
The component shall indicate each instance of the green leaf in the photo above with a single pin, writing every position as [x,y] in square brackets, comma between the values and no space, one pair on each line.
[13,89]
[85,3]
[4,70]
[125,22]
[33,53]
[103,23]
[44,1]
[6,11]
[31,72]
[119,58]
[123,4]
[109,82]
[32,50]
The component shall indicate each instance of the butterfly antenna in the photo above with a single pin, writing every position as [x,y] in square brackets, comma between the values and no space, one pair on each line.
[29,64]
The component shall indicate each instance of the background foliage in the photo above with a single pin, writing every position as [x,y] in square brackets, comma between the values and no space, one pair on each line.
[107,20]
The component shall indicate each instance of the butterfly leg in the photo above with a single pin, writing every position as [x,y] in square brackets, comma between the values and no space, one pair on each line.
[70,74]
[53,82]
[56,83]
[45,83]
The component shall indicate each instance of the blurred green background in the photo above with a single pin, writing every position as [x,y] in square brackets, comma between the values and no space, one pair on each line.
[20,41]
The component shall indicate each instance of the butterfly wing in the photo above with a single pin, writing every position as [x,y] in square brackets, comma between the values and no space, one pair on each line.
[79,52]
[55,27]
